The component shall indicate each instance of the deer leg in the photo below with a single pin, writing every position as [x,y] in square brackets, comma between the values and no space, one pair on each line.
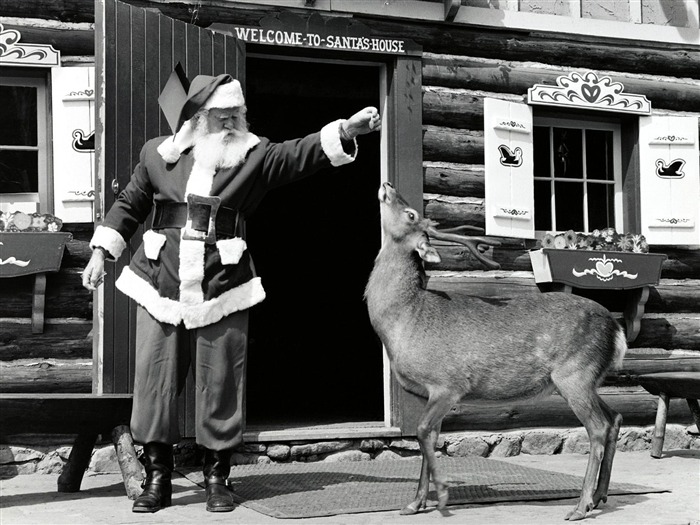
[427,434]
[587,407]
[615,419]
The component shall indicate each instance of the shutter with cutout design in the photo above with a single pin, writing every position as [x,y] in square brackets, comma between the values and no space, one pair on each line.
[508,159]
[669,179]
[73,103]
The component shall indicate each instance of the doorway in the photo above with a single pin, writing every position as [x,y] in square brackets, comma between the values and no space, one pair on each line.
[313,358]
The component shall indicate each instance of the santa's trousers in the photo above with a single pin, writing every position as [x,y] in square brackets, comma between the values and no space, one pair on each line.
[164,355]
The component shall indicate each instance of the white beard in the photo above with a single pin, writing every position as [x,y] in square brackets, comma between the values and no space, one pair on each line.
[220,150]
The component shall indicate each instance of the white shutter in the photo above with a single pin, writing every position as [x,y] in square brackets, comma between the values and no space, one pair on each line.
[73,104]
[669,179]
[509,183]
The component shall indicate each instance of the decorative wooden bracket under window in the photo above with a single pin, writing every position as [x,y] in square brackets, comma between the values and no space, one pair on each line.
[32,253]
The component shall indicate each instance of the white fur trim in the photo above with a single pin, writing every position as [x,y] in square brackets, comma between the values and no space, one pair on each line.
[153,243]
[191,271]
[172,147]
[173,312]
[109,239]
[229,95]
[332,147]
[231,250]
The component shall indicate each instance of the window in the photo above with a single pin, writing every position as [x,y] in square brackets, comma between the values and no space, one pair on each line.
[577,175]
[24,142]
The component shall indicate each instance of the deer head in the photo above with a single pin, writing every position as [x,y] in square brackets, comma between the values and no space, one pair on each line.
[404,226]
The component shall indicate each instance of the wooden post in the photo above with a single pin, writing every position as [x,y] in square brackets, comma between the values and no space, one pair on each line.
[634,311]
[657,442]
[695,411]
[132,470]
[38,303]
[78,461]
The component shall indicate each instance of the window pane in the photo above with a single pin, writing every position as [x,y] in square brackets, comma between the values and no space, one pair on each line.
[541,152]
[601,206]
[543,206]
[18,116]
[599,160]
[569,205]
[568,153]
[19,172]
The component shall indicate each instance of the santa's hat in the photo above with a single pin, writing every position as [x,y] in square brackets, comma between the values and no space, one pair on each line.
[204,92]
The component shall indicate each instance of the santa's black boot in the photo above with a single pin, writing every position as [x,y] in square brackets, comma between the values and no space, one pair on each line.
[157,487]
[217,466]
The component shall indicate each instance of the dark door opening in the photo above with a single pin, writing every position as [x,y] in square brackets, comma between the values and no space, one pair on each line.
[313,357]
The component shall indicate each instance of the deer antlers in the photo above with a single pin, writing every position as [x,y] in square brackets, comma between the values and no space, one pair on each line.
[474,244]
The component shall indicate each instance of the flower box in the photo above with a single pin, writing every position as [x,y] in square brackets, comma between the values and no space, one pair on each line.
[26,253]
[610,270]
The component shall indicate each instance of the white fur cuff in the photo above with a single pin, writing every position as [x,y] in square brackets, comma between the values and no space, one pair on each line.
[152,244]
[332,147]
[109,239]
[231,250]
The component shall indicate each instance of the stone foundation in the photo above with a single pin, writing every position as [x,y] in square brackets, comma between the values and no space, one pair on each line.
[46,459]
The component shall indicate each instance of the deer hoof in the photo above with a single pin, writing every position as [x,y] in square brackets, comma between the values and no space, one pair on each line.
[442,499]
[411,508]
[575,515]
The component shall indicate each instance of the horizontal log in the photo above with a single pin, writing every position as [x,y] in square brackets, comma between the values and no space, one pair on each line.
[670,331]
[453,71]
[461,180]
[453,145]
[669,296]
[635,365]
[62,413]
[449,213]
[71,339]
[65,296]
[681,263]
[576,51]
[579,51]
[46,375]
[637,408]
[462,109]
[70,40]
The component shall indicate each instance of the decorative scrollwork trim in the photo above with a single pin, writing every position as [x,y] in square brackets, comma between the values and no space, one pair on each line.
[588,91]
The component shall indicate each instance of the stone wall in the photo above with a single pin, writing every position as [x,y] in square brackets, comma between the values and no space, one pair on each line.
[16,460]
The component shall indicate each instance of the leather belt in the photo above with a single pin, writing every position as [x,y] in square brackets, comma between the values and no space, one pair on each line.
[203,218]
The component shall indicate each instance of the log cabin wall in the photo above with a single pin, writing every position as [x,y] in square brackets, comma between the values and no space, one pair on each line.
[462,65]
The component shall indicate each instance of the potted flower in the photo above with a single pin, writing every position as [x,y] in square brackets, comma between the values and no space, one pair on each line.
[600,259]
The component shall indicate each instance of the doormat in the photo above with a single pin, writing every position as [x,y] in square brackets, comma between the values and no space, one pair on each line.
[304,490]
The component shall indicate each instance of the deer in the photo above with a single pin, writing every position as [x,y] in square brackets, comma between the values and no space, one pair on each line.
[451,348]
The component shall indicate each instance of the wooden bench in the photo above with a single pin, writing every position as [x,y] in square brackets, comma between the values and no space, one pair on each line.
[666,385]
[85,415]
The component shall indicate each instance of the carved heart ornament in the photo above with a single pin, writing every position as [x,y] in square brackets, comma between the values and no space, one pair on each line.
[590,93]
[604,269]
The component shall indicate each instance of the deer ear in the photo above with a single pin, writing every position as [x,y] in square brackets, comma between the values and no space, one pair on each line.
[427,252]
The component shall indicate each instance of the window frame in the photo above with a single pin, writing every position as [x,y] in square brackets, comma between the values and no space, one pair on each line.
[43,198]
[585,122]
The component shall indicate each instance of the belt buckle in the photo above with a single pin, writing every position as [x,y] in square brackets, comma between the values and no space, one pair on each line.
[201,218]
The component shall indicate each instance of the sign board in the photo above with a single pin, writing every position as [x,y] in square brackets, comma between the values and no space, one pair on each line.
[315,32]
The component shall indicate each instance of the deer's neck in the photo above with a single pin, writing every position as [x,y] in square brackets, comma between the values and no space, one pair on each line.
[394,289]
